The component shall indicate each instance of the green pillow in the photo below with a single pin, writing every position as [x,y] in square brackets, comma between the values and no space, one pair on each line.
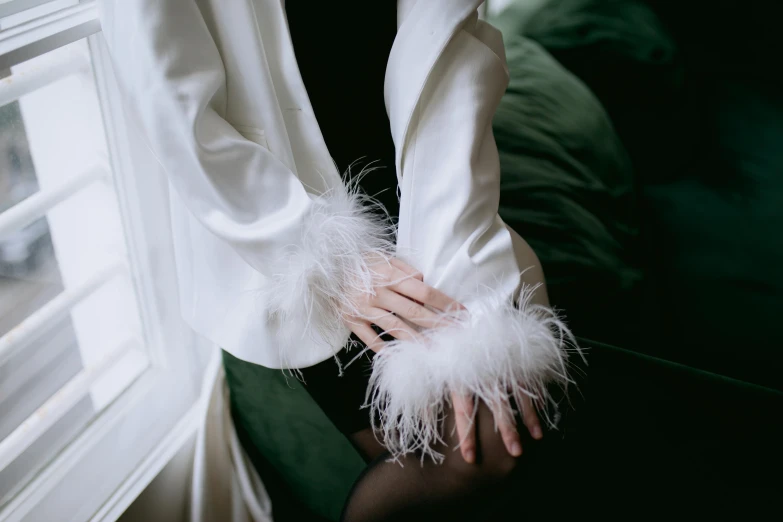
[567,188]
[701,119]
[719,241]
[629,60]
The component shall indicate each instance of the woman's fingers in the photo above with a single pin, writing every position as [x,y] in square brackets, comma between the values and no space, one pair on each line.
[425,294]
[366,334]
[530,418]
[400,303]
[406,269]
[466,428]
[508,429]
[405,308]
[402,278]
[390,324]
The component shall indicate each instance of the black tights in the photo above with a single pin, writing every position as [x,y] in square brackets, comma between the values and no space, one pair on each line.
[413,491]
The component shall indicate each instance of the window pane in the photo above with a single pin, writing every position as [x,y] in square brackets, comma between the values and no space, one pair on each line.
[15,12]
[68,312]
[29,276]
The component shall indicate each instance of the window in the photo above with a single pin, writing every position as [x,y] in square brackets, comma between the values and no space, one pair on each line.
[96,367]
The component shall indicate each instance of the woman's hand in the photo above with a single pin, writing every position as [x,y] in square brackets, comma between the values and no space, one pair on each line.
[401,297]
[466,426]
[398,300]
[463,406]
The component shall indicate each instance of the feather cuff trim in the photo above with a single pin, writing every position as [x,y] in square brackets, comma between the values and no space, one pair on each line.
[312,282]
[496,352]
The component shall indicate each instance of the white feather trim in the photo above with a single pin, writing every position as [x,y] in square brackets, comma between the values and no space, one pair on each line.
[496,352]
[313,281]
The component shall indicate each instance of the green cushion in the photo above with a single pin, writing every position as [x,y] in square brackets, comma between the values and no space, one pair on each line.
[626,55]
[642,425]
[718,241]
[567,188]
[649,435]
[291,438]
[690,90]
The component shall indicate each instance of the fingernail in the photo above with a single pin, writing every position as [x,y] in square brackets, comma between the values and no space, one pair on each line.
[470,457]
[537,433]
[516,449]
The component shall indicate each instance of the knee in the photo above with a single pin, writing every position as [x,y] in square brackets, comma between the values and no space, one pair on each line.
[497,465]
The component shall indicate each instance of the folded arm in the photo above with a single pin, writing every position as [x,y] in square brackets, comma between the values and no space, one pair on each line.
[508,347]
[312,248]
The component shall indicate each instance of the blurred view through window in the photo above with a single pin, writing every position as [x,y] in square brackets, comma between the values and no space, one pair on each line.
[70,335]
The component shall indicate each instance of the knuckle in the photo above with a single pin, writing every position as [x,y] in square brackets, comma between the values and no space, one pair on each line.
[389,323]
[372,299]
[397,324]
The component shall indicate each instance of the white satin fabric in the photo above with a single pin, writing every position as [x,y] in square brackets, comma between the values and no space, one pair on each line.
[445,77]
[216,90]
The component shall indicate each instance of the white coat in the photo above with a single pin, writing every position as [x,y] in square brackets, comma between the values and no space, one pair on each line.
[269,241]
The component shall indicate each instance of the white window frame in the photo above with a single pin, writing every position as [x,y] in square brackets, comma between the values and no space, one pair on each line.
[113,459]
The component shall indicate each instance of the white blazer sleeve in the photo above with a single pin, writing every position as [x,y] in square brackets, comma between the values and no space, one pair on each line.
[446,76]
[309,246]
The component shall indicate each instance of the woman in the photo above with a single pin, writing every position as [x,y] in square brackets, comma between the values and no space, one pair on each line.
[280,259]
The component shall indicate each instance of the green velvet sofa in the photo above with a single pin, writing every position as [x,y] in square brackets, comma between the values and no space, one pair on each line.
[642,152]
